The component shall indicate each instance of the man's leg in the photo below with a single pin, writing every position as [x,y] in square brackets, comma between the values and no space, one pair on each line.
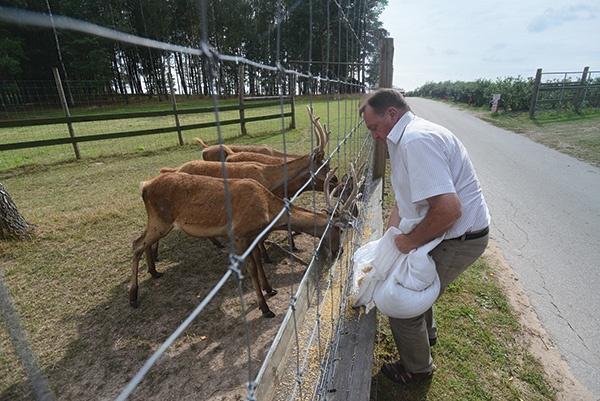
[412,341]
[451,259]
[412,335]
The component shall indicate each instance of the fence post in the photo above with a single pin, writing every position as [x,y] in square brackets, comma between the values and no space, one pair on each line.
[293,100]
[583,90]
[386,73]
[534,94]
[65,106]
[174,103]
[241,91]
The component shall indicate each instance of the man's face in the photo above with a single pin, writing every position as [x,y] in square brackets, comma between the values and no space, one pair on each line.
[380,125]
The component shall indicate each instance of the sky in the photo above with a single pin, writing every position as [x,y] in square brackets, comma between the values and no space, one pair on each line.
[464,40]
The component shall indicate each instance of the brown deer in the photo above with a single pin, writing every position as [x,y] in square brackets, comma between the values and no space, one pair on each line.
[212,152]
[197,205]
[247,156]
[259,153]
[293,173]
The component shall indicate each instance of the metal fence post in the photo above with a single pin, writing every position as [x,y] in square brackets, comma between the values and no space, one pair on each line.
[293,101]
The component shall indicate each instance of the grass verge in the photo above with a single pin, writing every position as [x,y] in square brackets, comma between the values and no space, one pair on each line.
[574,134]
[481,353]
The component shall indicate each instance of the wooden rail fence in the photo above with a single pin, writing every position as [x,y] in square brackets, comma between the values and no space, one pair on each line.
[243,105]
[563,90]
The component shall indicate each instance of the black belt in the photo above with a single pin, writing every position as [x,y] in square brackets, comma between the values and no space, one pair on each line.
[472,235]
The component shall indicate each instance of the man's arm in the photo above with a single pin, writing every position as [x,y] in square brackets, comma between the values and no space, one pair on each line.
[443,211]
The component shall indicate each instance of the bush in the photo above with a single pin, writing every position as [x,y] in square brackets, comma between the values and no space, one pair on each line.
[515,93]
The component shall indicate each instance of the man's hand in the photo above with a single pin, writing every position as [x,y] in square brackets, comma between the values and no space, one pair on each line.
[404,244]
[443,211]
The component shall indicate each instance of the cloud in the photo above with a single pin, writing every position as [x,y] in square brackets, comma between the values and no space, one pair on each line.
[555,17]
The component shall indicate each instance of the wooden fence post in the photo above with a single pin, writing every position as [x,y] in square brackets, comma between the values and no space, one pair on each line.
[241,73]
[65,106]
[293,100]
[534,94]
[386,74]
[581,93]
[174,103]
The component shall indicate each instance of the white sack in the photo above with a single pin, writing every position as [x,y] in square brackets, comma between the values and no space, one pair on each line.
[401,285]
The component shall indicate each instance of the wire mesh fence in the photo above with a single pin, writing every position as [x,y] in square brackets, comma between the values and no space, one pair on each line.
[314,338]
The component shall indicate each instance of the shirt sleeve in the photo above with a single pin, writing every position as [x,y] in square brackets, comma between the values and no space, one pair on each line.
[428,167]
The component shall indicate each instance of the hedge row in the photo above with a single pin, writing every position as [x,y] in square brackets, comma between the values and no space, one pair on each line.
[515,93]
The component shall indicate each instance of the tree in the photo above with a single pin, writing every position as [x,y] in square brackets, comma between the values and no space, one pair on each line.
[12,224]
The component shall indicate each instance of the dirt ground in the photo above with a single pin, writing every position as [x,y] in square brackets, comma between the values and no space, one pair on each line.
[540,343]
[210,361]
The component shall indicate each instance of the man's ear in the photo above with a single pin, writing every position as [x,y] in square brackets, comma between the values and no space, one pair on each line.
[393,113]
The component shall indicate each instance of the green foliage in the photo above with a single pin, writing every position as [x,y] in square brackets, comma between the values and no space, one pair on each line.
[515,92]
[317,31]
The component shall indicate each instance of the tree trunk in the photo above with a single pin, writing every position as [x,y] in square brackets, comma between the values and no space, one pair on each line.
[12,224]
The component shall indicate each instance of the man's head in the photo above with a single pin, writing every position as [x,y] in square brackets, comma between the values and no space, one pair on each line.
[381,110]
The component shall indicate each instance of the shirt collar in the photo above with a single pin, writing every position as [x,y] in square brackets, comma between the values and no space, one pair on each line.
[396,133]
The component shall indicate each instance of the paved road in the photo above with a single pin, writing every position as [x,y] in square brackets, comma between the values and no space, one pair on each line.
[545,209]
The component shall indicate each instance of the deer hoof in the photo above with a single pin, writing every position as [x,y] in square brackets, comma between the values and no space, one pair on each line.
[272,293]
[268,314]
[156,275]
[134,304]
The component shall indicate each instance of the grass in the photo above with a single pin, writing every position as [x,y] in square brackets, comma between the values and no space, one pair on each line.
[481,353]
[69,282]
[571,133]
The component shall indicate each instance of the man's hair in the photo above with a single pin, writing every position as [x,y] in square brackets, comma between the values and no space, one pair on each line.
[382,99]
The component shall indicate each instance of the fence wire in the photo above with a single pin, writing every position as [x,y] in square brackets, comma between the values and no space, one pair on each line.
[325,335]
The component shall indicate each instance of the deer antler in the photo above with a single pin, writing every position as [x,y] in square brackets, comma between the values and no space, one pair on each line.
[322,137]
[354,195]
[345,211]
[328,193]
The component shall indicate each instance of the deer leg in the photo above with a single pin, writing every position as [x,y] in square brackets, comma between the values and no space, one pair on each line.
[154,249]
[265,285]
[292,243]
[263,252]
[150,252]
[138,248]
[143,245]
[253,269]
[216,242]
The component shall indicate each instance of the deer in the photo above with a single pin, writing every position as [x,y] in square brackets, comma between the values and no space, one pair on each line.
[196,205]
[248,156]
[294,173]
[213,152]
[259,153]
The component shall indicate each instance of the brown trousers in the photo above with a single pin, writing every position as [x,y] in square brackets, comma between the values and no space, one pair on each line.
[452,257]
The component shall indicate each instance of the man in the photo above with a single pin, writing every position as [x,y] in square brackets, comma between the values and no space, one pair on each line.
[432,177]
